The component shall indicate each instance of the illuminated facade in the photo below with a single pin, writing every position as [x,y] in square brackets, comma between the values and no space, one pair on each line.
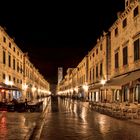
[125,54]
[98,67]
[82,78]
[112,68]
[16,71]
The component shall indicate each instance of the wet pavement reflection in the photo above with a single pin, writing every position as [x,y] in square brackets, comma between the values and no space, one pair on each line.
[72,120]
[16,126]
[19,125]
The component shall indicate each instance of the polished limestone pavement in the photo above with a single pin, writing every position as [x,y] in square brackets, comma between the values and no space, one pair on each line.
[73,120]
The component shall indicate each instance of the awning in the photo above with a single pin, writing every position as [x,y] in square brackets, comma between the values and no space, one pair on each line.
[8,87]
[13,88]
[95,87]
[118,82]
[3,85]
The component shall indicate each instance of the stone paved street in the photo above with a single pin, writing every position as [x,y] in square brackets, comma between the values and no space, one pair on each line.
[73,120]
[17,126]
[20,126]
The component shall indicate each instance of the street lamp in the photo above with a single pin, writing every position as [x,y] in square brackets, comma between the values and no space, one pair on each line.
[85,87]
[33,89]
[11,83]
[6,81]
[103,81]
[24,86]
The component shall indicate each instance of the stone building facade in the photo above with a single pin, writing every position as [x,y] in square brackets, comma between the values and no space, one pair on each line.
[125,54]
[16,71]
[98,67]
[115,59]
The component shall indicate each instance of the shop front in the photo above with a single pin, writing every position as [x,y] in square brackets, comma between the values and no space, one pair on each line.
[125,88]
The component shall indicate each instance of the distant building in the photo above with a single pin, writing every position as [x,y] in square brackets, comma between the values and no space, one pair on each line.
[60,74]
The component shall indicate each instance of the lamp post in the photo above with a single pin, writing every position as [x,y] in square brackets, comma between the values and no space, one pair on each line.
[11,83]
[85,87]
[103,81]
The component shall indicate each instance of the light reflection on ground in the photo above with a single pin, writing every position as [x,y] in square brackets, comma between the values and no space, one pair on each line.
[72,121]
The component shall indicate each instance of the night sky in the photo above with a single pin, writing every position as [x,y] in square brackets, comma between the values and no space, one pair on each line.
[57,33]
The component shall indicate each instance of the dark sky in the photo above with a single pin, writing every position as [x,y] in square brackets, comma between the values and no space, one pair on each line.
[57,33]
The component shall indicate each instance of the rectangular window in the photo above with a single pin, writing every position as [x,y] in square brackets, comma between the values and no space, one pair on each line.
[93,54]
[93,74]
[14,63]
[97,51]
[3,76]
[4,39]
[101,69]
[116,31]
[136,11]
[97,71]
[124,23]
[90,75]
[9,60]
[125,56]
[126,3]
[9,78]
[136,50]
[17,66]
[116,60]
[14,49]
[18,53]
[9,45]
[4,57]
[101,47]
[14,79]
[20,68]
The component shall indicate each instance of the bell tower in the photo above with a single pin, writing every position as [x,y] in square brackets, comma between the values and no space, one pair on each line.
[60,74]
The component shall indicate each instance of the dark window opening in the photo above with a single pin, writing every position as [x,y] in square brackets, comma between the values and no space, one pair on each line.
[96,51]
[4,57]
[116,60]
[97,71]
[9,62]
[101,69]
[4,39]
[125,56]
[136,50]
[101,47]
[116,31]
[9,45]
[14,64]
[93,74]
[3,76]
[124,22]
[136,11]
